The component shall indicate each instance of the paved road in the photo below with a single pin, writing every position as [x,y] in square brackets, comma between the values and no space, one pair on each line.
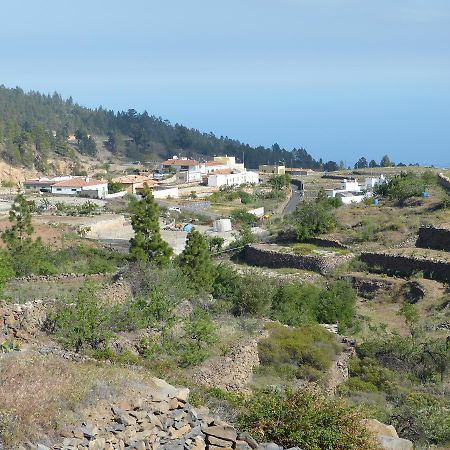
[293,202]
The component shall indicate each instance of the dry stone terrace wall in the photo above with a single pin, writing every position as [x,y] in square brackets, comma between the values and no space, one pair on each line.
[265,256]
[437,238]
[408,265]
[444,181]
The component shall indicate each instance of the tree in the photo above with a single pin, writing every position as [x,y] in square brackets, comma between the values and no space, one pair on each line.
[147,244]
[195,261]
[19,235]
[385,161]
[373,164]
[361,163]
[313,219]
[279,182]
[330,166]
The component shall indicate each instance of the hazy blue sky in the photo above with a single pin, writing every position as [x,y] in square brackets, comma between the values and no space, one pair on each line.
[342,78]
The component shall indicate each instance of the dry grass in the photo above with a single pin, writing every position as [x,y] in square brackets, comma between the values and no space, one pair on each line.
[40,395]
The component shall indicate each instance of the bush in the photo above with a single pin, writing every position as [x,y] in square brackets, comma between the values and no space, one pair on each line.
[297,304]
[83,324]
[312,219]
[248,294]
[308,350]
[306,420]
[406,185]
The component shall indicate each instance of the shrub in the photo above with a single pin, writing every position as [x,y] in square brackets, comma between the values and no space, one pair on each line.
[310,346]
[306,420]
[312,219]
[83,324]
[296,304]
[248,294]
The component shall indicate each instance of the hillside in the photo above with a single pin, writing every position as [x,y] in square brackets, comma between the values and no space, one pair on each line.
[35,126]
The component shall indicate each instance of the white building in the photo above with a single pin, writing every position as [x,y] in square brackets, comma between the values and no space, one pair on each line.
[187,170]
[371,182]
[81,185]
[229,178]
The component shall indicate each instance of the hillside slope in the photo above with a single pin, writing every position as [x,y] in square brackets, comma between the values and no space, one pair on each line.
[33,126]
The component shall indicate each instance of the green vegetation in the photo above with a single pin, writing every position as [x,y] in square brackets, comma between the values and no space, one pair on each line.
[85,209]
[298,304]
[147,244]
[114,187]
[313,218]
[26,117]
[195,261]
[300,418]
[304,352]
[406,185]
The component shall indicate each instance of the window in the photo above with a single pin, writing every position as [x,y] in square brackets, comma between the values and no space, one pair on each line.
[74,190]
[58,189]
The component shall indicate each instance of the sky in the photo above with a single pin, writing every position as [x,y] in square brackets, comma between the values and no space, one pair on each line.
[341,78]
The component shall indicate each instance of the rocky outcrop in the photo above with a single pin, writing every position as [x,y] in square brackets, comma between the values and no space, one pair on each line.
[272,256]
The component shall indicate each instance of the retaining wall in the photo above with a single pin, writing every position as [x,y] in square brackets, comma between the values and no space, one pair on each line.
[444,181]
[408,265]
[258,255]
[434,237]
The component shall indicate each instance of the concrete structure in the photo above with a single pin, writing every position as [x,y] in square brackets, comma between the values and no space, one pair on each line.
[272,169]
[222,225]
[257,212]
[228,178]
[212,166]
[131,183]
[187,170]
[162,193]
[80,185]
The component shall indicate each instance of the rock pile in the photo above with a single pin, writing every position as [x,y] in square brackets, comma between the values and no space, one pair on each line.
[166,421]
[21,321]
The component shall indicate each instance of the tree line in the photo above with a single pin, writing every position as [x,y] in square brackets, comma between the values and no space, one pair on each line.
[33,124]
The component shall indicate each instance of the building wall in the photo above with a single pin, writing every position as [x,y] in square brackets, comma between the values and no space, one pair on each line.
[272,169]
[232,179]
[165,193]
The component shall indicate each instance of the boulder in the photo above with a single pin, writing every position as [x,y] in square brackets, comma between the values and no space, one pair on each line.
[393,443]
[380,429]
[225,432]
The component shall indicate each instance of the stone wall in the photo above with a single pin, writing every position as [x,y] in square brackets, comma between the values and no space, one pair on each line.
[434,237]
[444,181]
[408,265]
[259,255]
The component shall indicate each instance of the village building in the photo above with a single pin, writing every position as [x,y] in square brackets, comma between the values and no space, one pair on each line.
[230,162]
[187,170]
[272,169]
[81,186]
[298,171]
[232,178]
[133,183]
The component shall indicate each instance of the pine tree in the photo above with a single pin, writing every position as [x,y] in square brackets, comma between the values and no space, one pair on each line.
[18,237]
[147,244]
[195,261]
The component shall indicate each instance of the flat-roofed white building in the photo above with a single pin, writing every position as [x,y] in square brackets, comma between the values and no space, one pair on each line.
[230,178]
